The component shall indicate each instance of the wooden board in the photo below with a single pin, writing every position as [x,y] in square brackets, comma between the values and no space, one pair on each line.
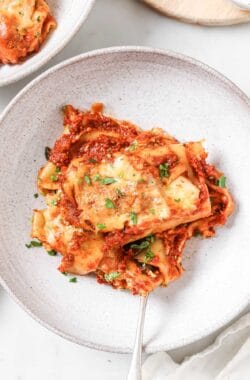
[204,12]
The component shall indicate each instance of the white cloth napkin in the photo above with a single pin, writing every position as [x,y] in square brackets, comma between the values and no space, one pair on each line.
[228,358]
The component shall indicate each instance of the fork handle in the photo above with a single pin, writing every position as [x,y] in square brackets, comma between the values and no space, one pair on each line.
[135,366]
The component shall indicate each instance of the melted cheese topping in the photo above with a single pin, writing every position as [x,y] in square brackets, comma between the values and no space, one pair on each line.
[112,203]
[131,190]
[183,193]
[22,10]
[82,252]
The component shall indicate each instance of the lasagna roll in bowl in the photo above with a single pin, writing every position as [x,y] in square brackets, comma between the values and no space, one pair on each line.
[122,202]
[24,25]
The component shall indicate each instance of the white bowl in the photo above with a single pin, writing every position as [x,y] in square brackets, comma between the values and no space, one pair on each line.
[69,15]
[151,88]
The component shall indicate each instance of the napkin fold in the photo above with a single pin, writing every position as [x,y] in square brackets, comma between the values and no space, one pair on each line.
[228,358]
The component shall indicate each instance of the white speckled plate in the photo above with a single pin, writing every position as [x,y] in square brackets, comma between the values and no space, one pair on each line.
[151,88]
[70,15]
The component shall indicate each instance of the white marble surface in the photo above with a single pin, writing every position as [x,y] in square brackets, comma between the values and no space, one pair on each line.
[27,350]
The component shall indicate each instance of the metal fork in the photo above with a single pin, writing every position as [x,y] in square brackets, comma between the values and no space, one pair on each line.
[135,366]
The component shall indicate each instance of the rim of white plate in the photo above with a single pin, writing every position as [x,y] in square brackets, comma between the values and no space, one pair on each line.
[26,72]
[113,50]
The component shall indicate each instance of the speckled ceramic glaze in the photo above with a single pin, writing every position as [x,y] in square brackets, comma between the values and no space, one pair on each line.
[70,15]
[151,88]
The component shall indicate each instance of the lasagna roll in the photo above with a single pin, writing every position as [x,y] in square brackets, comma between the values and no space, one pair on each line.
[122,202]
[24,25]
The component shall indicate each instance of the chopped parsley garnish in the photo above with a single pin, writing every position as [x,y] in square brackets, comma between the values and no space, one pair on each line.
[141,180]
[111,276]
[197,233]
[119,193]
[47,152]
[65,273]
[97,177]
[221,182]
[133,217]
[163,170]
[52,252]
[133,146]
[33,243]
[149,255]
[54,178]
[38,18]
[37,34]
[21,13]
[152,211]
[53,202]
[36,195]
[142,245]
[177,200]
[87,179]
[150,238]
[101,226]
[139,247]
[121,174]
[109,203]
[73,279]
[92,161]
[108,180]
